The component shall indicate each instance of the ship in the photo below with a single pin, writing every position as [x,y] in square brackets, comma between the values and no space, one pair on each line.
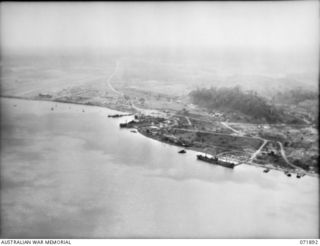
[123,125]
[215,160]
[129,124]
[182,151]
[117,115]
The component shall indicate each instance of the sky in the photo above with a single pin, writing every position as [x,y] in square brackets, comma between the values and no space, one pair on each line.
[284,25]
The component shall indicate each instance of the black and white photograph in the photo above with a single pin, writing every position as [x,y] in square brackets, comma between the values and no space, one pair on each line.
[159,120]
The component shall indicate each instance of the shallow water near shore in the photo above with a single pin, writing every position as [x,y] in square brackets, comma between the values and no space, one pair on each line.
[71,172]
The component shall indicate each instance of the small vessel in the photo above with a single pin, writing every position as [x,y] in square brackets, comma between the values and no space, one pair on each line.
[182,151]
[215,160]
[133,131]
[266,170]
[287,173]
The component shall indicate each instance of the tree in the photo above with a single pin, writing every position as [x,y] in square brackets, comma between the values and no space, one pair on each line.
[142,100]
[234,99]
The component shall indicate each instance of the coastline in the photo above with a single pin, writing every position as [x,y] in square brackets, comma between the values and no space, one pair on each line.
[121,110]
[249,164]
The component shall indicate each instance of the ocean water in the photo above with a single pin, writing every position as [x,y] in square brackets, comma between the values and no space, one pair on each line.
[66,173]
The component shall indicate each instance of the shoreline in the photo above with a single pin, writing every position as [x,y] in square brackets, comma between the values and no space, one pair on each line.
[119,109]
[249,164]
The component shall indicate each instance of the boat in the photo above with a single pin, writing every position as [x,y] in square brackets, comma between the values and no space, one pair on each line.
[123,125]
[216,161]
[134,131]
[266,170]
[182,151]
[287,173]
[129,124]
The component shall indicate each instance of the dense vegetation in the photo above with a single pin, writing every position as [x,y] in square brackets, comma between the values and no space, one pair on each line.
[235,100]
[301,101]
[296,96]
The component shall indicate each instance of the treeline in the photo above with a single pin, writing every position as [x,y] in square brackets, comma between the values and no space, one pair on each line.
[235,100]
[295,96]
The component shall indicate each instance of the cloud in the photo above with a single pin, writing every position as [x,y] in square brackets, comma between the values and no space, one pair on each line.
[101,25]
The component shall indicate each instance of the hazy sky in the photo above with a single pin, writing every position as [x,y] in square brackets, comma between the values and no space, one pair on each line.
[273,25]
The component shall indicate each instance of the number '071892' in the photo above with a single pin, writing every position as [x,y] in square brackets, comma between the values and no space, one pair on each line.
[314,242]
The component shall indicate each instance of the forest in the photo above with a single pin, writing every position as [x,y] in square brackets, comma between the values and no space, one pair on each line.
[234,99]
[296,96]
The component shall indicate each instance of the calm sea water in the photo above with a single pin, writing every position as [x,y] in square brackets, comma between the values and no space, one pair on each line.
[72,174]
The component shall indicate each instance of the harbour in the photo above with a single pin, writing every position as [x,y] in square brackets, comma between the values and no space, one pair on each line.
[99,191]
